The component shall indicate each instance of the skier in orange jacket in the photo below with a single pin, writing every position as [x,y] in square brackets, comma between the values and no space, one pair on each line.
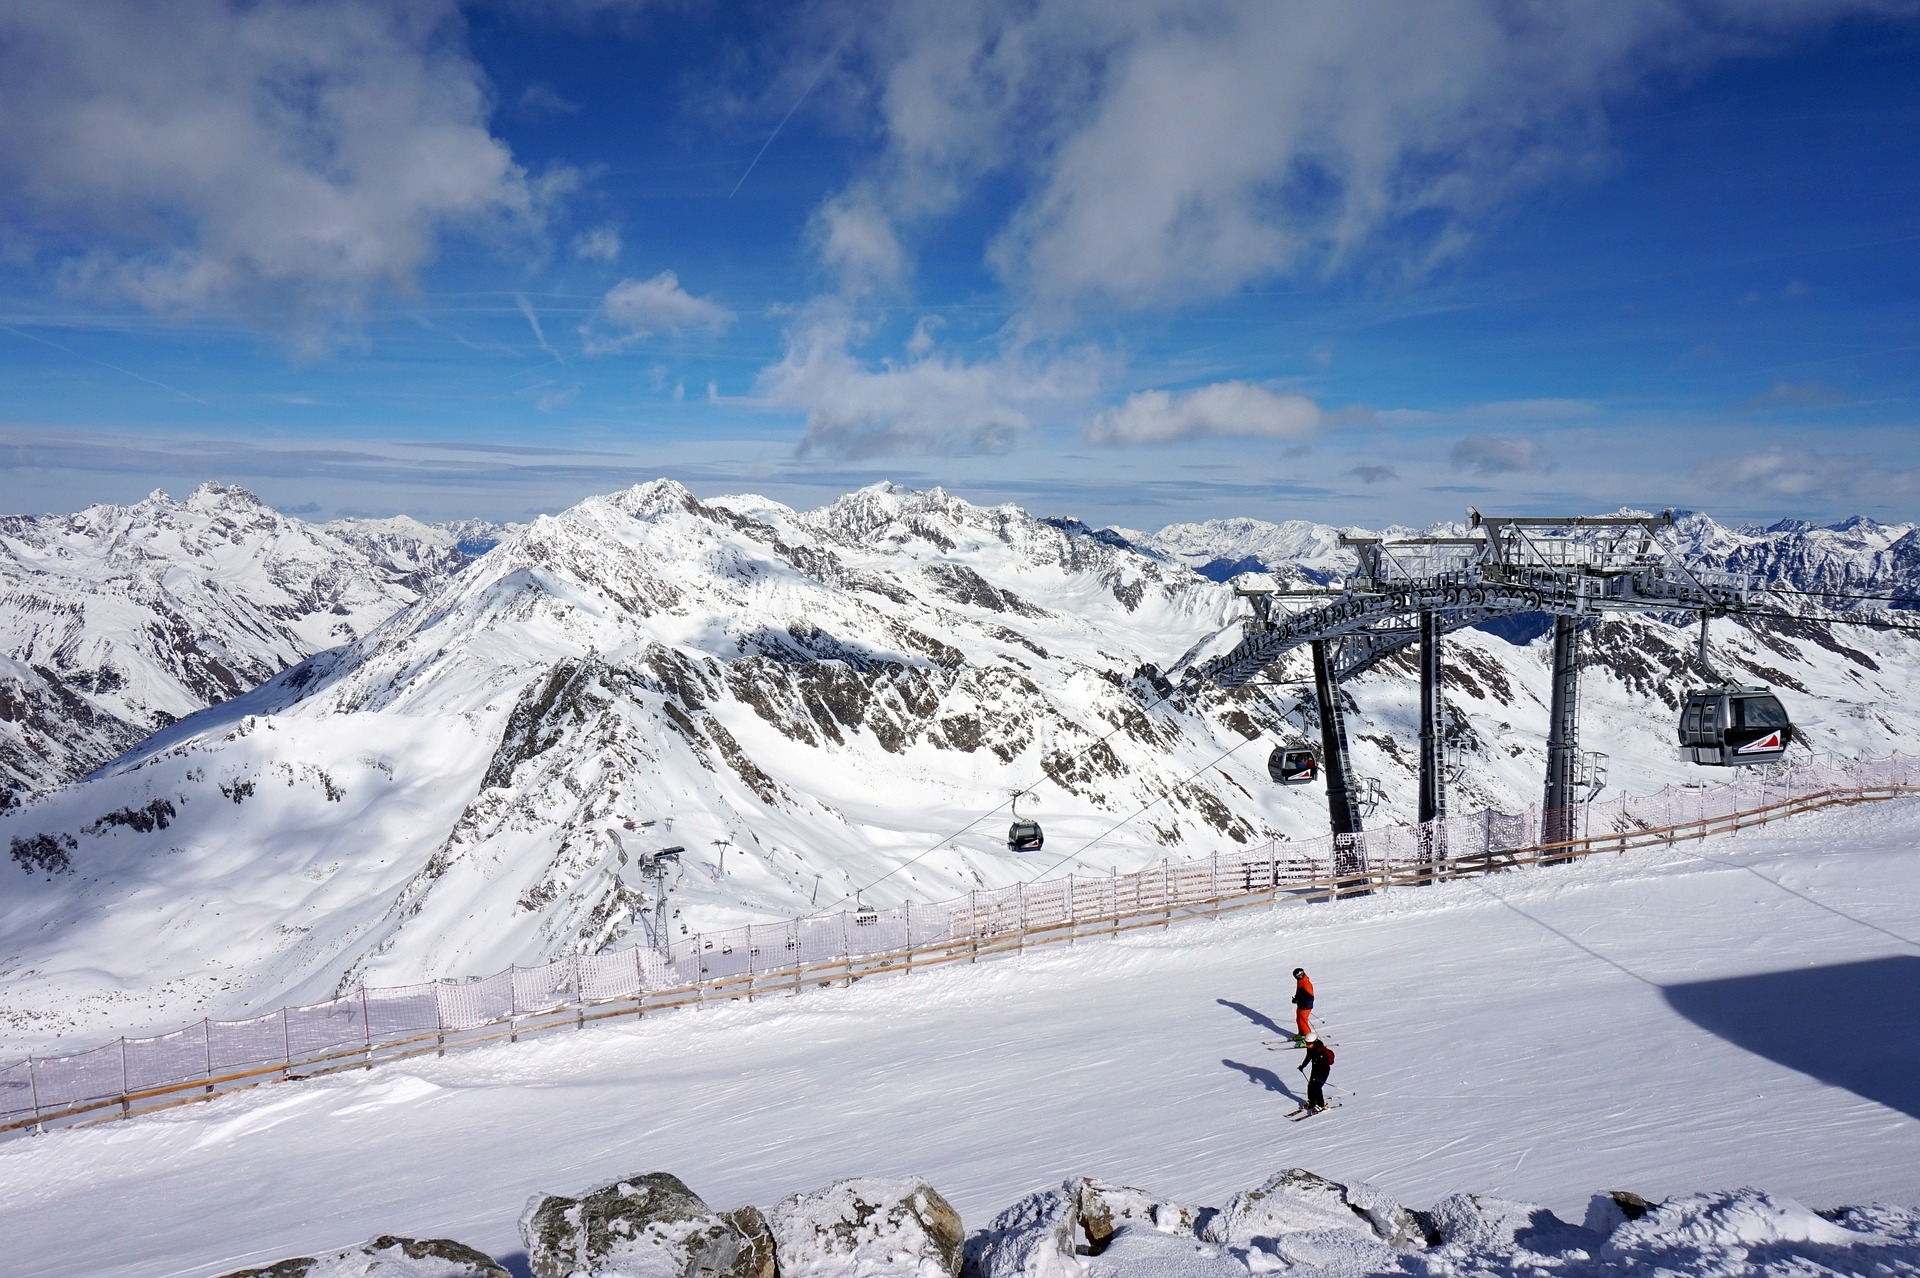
[1302,1003]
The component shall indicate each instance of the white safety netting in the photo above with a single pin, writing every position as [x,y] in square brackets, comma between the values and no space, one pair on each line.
[357,1025]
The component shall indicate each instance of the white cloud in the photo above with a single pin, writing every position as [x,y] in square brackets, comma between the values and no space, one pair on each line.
[1498,455]
[1798,473]
[925,405]
[1165,150]
[1225,408]
[279,159]
[857,241]
[601,244]
[923,334]
[650,308]
[543,99]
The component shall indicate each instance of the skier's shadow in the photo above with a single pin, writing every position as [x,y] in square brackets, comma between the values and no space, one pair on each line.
[1850,1025]
[1258,1017]
[1265,1077]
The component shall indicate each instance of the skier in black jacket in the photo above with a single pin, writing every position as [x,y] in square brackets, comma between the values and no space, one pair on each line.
[1320,1056]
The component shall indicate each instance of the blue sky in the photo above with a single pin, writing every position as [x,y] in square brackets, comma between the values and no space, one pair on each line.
[1136,261]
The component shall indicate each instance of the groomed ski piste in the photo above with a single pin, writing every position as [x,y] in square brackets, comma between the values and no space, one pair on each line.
[1738,1012]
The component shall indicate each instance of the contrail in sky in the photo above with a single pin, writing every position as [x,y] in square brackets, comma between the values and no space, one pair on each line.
[139,377]
[526,309]
[805,93]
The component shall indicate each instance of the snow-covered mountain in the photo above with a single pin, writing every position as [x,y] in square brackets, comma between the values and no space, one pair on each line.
[811,705]
[120,619]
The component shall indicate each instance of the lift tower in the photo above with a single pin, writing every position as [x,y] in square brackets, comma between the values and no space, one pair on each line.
[1407,591]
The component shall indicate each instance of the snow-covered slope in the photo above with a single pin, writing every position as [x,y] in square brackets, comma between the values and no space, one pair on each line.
[120,619]
[812,705]
[1677,1020]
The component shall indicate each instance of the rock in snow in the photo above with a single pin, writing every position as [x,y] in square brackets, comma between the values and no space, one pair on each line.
[868,1227]
[653,1226]
[648,1226]
[387,1257]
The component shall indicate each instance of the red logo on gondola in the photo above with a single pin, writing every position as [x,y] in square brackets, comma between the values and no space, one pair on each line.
[1769,742]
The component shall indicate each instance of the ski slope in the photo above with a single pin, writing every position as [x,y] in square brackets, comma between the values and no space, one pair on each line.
[1744,1011]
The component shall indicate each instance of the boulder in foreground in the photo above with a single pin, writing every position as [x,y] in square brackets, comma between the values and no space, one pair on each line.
[868,1227]
[647,1226]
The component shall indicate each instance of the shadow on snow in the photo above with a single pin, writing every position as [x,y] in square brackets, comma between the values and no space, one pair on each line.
[1851,1025]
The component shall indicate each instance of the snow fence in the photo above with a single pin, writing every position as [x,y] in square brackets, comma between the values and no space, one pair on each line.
[373,1024]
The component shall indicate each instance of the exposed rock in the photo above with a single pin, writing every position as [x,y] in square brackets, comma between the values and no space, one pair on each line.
[1607,1212]
[1299,1202]
[1107,1208]
[387,1257]
[868,1227]
[649,1226]
[1045,1234]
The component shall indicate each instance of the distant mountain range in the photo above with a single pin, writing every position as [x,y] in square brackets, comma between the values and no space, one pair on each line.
[118,620]
[438,764]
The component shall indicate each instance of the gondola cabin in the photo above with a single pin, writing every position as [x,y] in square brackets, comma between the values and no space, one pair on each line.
[1025,836]
[1293,765]
[1731,726]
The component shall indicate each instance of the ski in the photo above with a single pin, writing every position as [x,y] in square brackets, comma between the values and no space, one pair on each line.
[1287,1044]
[1297,1118]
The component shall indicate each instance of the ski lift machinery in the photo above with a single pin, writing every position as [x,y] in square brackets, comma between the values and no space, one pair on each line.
[1731,725]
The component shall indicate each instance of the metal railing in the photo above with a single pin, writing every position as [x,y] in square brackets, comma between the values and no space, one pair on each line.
[376,1024]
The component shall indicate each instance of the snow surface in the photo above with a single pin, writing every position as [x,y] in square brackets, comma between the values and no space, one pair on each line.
[1742,1011]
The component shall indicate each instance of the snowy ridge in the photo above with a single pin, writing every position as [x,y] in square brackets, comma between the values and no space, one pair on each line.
[810,704]
[121,619]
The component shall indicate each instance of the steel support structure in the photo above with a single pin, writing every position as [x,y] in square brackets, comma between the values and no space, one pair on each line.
[1415,590]
[1336,765]
[1433,745]
[1559,807]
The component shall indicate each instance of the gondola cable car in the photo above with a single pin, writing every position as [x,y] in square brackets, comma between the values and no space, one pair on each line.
[1294,765]
[1024,835]
[1730,724]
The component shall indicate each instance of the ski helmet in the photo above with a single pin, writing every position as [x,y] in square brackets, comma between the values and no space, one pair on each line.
[1299,972]
[1311,1038]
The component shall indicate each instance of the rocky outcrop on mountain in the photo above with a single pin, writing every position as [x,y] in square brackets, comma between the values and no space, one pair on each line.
[412,554]
[118,620]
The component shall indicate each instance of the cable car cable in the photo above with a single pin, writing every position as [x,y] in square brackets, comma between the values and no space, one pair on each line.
[1164,795]
[1763,614]
[976,821]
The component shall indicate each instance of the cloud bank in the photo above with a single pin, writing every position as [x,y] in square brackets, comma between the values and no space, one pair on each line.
[1163,151]
[276,159]
[928,403]
[1223,409]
